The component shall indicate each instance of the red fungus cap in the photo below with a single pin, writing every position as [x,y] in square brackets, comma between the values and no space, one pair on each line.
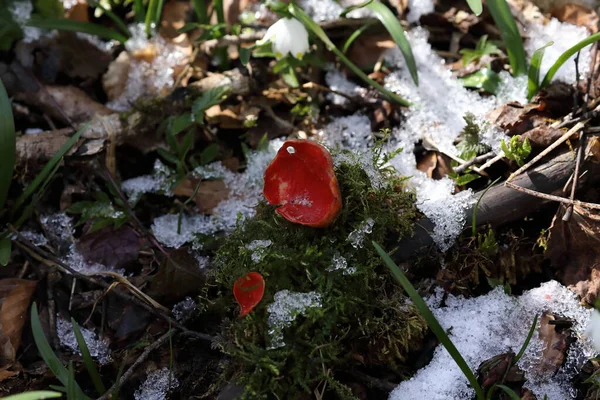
[301,181]
[248,291]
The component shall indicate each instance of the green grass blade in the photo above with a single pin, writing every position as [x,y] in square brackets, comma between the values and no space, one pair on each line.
[71,390]
[8,143]
[41,177]
[151,15]
[355,36]
[35,395]
[533,76]
[46,352]
[317,30]
[431,321]
[64,24]
[526,343]
[564,57]
[5,249]
[391,23]
[139,11]
[509,392]
[475,6]
[90,365]
[218,4]
[355,7]
[201,10]
[117,21]
[510,34]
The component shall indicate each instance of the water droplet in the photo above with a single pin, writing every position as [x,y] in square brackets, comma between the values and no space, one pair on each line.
[291,150]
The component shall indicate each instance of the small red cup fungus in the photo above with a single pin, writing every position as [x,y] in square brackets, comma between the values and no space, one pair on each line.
[248,291]
[301,181]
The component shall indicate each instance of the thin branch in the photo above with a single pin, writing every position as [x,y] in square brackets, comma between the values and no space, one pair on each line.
[551,197]
[475,160]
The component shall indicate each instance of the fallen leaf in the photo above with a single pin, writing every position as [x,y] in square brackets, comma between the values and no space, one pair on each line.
[76,10]
[15,296]
[577,14]
[178,276]
[574,247]
[208,196]
[173,18]
[555,344]
[111,248]
[115,78]
[428,163]
[543,136]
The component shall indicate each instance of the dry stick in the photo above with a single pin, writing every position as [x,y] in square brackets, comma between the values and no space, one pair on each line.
[551,197]
[474,160]
[492,161]
[143,357]
[316,86]
[24,243]
[547,150]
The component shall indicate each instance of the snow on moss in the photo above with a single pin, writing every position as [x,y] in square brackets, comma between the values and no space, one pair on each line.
[357,236]
[486,326]
[258,248]
[286,307]
[157,385]
[98,348]
[160,181]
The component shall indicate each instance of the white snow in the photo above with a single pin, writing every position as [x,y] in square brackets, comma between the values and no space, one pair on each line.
[337,81]
[160,181]
[21,12]
[157,385]
[418,8]
[98,348]
[258,248]
[351,132]
[339,262]
[245,193]
[357,236]
[286,307]
[183,310]
[486,326]
[564,36]
[329,10]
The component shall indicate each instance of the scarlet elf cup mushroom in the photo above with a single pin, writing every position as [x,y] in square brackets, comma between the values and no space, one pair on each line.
[301,181]
[248,291]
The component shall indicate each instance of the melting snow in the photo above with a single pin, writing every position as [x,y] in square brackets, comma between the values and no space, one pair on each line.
[157,385]
[337,81]
[160,181]
[485,326]
[330,10]
[258,248]
[98,348]
[418,8]
[357,236]
[183,310]
[21,12]
[339,262]
[286,307]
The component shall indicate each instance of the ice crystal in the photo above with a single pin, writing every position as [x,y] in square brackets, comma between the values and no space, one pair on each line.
[37,239]
[98,348]
[339,262]
[160,181]
[258,248]
[183,310]
[157,385]
[351,132]
[286,307]
[418,8]
[357,236]
[337,81]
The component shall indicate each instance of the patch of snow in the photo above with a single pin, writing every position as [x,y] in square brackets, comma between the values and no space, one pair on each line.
[357,236]
[160,181]
[33,131]
[258,248]
[365,159]
[58,228]
[37,239]
[98,348]
[148,77]
[339,262]
[330,10]
[486,326]
[157,385]
[183,310]
[21,12]
[564,36]
[337,81]
[350,132]
[418,8]
[245,191]
[284,310]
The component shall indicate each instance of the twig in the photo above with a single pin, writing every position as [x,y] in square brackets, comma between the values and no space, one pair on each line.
[142,358]
[489,163]
[36,251]
[578,162]
[374,382]
[547,150]
[313,85]
[209,45]
[551,197]
[474,160]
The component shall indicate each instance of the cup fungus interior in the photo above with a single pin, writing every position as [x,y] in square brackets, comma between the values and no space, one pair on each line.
[302,182]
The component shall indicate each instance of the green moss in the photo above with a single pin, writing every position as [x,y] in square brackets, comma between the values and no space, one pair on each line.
[364,319]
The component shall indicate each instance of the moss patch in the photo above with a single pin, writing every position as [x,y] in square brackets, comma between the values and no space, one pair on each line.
[364,318]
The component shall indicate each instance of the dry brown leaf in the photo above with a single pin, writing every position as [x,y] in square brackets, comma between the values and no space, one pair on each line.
[574,248]
[15,296]
[115,78]
[577,14]
[64,103]
[209,195]
[543,136]
[592,149]
[233,9]
[173,18]
[428,163]
[555,346]
[367,49]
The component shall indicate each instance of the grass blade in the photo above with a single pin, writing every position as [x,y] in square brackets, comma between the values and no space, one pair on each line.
[355,36]
[90,365]
[391,23]
[317,30]
[510,34]
[64,24]
[564,57]
[139,11]
[5,249]
[533,76]
[475,6]
[201,10]
[509,392]
[151,14]
[8,140]
[117,21]
[71,391]
[40,178]
[218,5]
[431,321]
[35,395]
[526,343]
[47,353]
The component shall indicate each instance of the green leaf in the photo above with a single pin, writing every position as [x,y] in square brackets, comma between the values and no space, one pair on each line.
[526,343]
[90,365]
[208,99]
[7,144]
[51,360]
[475,6]
[5,248]
[179,123]
[391,23]
[35,395]
[245,53]
[209,154]
[533,76]
[564,57]
[464,179]
[434,325]
[151,16]
[139,11]
[289,76]
[118,21]
[355,7]
[509,392]
[47,170]
[201,9]
[484,78]
[299,14]
[49,8]
[510,34]
[71,391]
[76,26]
